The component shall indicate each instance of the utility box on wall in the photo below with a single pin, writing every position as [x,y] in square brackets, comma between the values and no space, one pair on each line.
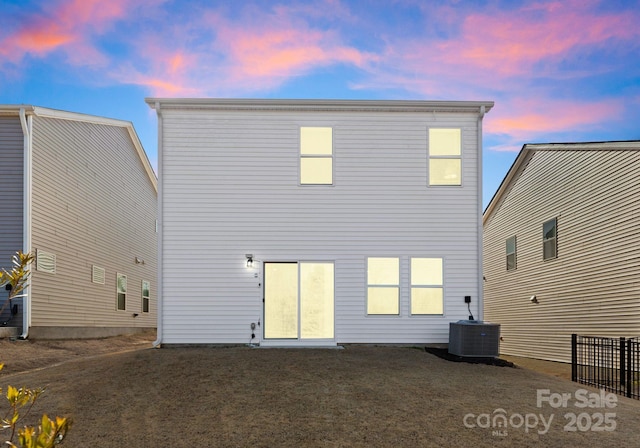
[474,338]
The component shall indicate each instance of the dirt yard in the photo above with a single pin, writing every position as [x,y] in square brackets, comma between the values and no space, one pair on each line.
[120,393]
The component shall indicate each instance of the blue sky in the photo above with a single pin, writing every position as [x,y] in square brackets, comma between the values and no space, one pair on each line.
[557,70]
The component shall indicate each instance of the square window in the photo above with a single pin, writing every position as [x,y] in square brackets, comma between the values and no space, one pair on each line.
[383,300]
[444,142]
[427,301]
[316,170]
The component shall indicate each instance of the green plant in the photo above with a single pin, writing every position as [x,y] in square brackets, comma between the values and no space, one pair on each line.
[21,400]
[17,277]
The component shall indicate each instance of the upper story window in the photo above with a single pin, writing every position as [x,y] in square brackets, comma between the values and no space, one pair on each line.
[316,156]
[550,239]
[383,286]
[511,253]
[445,157]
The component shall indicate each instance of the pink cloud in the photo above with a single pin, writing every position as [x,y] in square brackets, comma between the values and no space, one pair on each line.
[64,25]
[258,51]
[497,48]
[280,46]
[525,119]
[168,73]
[512,42]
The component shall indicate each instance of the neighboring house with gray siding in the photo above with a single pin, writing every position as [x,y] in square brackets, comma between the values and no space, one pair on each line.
[318,221]
[561,238]
[78,192]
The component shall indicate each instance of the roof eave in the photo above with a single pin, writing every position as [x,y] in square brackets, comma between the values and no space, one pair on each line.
[319,104]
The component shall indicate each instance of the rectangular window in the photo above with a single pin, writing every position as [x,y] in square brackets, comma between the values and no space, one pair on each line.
[511,253]
[146,293]
[427,292]
[121,291]
[316,156]
[383,286]
[549,239]
[445,157]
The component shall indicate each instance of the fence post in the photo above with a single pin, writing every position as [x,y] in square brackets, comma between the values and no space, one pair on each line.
[629,369]
[574,357]
[623,366]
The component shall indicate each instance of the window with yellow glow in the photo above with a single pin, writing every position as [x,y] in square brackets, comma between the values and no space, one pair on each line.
[383,286]
[316,155]
[427,286]
[445,157]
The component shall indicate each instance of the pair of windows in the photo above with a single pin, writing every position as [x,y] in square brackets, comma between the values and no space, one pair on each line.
[549,244]
[121,293]
[383,286]
[316,156]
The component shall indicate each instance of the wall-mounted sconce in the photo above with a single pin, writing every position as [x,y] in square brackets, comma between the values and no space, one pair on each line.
[533,299]
[249,260]
[139,261]
[135,315]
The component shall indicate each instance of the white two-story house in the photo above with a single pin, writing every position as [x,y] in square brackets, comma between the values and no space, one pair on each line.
[318,222]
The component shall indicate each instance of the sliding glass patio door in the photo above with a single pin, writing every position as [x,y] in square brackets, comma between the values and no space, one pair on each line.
[299,300]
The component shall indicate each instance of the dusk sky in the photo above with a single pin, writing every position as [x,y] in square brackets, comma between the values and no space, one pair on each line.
[558,71]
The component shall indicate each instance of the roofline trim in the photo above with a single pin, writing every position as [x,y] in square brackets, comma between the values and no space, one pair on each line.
[320,104]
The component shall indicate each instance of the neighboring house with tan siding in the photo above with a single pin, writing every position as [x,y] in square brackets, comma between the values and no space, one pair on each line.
[561,247]
[78,192]
[318,221]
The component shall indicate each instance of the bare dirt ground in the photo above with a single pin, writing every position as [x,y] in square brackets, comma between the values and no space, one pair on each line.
[120,393]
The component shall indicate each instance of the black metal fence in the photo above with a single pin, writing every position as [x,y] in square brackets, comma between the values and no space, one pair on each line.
[612,364]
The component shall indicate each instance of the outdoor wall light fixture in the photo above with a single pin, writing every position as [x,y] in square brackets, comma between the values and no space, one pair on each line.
[533,299]
[249,260]
[139,260]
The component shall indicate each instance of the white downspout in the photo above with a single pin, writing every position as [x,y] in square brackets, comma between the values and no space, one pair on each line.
[159,289]
[480,229]
[27,128]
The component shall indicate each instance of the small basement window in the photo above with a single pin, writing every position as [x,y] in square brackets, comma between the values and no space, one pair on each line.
[511,254]
[550,239]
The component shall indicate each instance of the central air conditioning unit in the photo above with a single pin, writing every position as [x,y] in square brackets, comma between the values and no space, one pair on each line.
[474,338]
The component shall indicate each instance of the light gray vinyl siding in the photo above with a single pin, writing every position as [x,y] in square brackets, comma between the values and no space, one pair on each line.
[11,195]
[93,204]
[592,287]
[231,187]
